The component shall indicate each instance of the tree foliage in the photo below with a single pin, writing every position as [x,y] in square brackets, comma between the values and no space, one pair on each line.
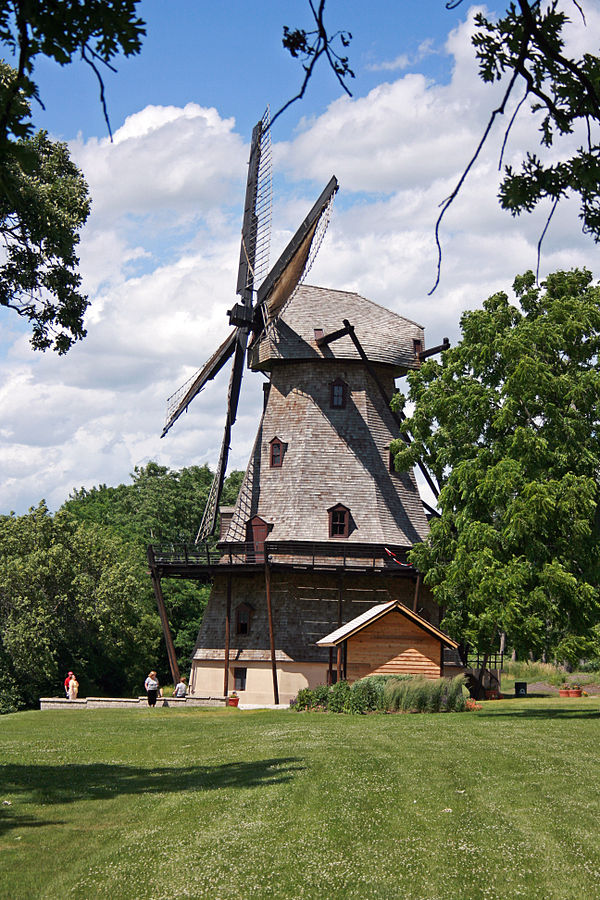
[524,47]
[96,30]
[75,592]
[43,196]
[508,422]
[43,204]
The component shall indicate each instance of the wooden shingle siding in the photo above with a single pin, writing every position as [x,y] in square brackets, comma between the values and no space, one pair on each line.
[332,456]
[393,646]
[385,336]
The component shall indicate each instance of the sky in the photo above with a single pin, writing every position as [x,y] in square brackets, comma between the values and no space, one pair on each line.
[159,253]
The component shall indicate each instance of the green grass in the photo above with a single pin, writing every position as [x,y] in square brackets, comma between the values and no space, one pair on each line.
[546,673]
[228,804]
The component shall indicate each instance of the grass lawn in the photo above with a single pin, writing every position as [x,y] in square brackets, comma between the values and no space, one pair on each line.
[501,803]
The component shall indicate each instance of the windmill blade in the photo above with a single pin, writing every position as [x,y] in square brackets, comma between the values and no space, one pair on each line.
[256,223]
[254,258]
[296,259]
[181,399]
[233,395]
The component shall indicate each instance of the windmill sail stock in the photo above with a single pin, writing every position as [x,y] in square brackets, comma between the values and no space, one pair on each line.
[272,290]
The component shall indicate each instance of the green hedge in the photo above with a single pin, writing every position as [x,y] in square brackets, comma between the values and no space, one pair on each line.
[386,693]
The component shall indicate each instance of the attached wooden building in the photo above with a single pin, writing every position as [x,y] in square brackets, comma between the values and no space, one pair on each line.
[390,639]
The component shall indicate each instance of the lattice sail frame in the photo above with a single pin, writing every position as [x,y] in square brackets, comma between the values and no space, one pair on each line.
[260,233]
[318,238]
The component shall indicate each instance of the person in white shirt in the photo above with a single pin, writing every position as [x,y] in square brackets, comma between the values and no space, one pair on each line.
[152,688]
[181,688]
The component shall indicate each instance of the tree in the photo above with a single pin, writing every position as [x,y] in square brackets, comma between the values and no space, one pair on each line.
[71,597]
[160,505]
[43,204]
[43,196]
[97,30]
[508,422]
[526,48]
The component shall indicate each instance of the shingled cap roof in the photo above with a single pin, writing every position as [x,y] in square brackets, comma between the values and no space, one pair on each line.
[385,336]
[377,612]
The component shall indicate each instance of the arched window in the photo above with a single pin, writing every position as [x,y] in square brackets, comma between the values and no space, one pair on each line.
[339,521]
[276,453]
[339,394]
[243,618]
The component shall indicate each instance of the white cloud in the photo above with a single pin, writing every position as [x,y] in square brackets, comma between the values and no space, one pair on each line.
[405,60]
[159,260]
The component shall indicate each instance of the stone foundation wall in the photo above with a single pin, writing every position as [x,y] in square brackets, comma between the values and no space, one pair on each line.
[129,702]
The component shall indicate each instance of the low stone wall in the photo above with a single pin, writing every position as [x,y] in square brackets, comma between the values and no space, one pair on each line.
[128,702]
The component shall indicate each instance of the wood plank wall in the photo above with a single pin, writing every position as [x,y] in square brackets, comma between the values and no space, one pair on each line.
[393,646]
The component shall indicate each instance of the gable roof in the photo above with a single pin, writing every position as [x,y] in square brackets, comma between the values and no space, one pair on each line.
[377,612]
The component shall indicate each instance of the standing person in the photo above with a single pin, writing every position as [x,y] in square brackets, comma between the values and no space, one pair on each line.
[181,688]
[67,680]
[73,688]
[152,687]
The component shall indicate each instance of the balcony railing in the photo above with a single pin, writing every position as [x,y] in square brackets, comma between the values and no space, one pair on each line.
[300,554]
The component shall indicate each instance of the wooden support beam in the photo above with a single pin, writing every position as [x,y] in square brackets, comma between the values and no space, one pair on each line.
[271,634]
[227,637]
[417,594]
[162,612]
[405,437]
[339,646]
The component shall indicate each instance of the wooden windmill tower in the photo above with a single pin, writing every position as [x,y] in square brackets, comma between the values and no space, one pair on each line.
[322,523]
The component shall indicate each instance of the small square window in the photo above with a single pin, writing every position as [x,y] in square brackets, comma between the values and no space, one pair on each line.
[239,676]
[339,392]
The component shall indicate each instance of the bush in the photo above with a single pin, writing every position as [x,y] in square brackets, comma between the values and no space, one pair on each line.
[321,695]
[339,695]
[396,693]
[305,699]
[456,696]
[363,698]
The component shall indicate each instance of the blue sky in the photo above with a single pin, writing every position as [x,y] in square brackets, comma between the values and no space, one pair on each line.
[159,253]
[229,54]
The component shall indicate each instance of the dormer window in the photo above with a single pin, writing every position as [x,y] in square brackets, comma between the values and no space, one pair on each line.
[339,393]
[339,521]
[276,453]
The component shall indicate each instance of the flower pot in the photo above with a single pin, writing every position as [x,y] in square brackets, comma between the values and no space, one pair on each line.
[233,701]
[564,692]
[574,692]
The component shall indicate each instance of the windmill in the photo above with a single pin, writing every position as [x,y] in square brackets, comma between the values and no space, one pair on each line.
[250,318]
[322,523]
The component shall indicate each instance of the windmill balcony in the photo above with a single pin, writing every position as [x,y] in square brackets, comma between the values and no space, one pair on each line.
[324,556]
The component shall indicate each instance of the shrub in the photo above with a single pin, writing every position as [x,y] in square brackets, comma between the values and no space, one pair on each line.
[363,697]
[338,696]
[305,699]
[393,695]
[455,699]
[321,695]
[436,695]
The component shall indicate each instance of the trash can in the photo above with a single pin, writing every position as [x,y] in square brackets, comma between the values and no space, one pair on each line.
[520,688]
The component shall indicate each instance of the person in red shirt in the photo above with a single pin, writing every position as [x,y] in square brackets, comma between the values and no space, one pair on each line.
[67,680]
